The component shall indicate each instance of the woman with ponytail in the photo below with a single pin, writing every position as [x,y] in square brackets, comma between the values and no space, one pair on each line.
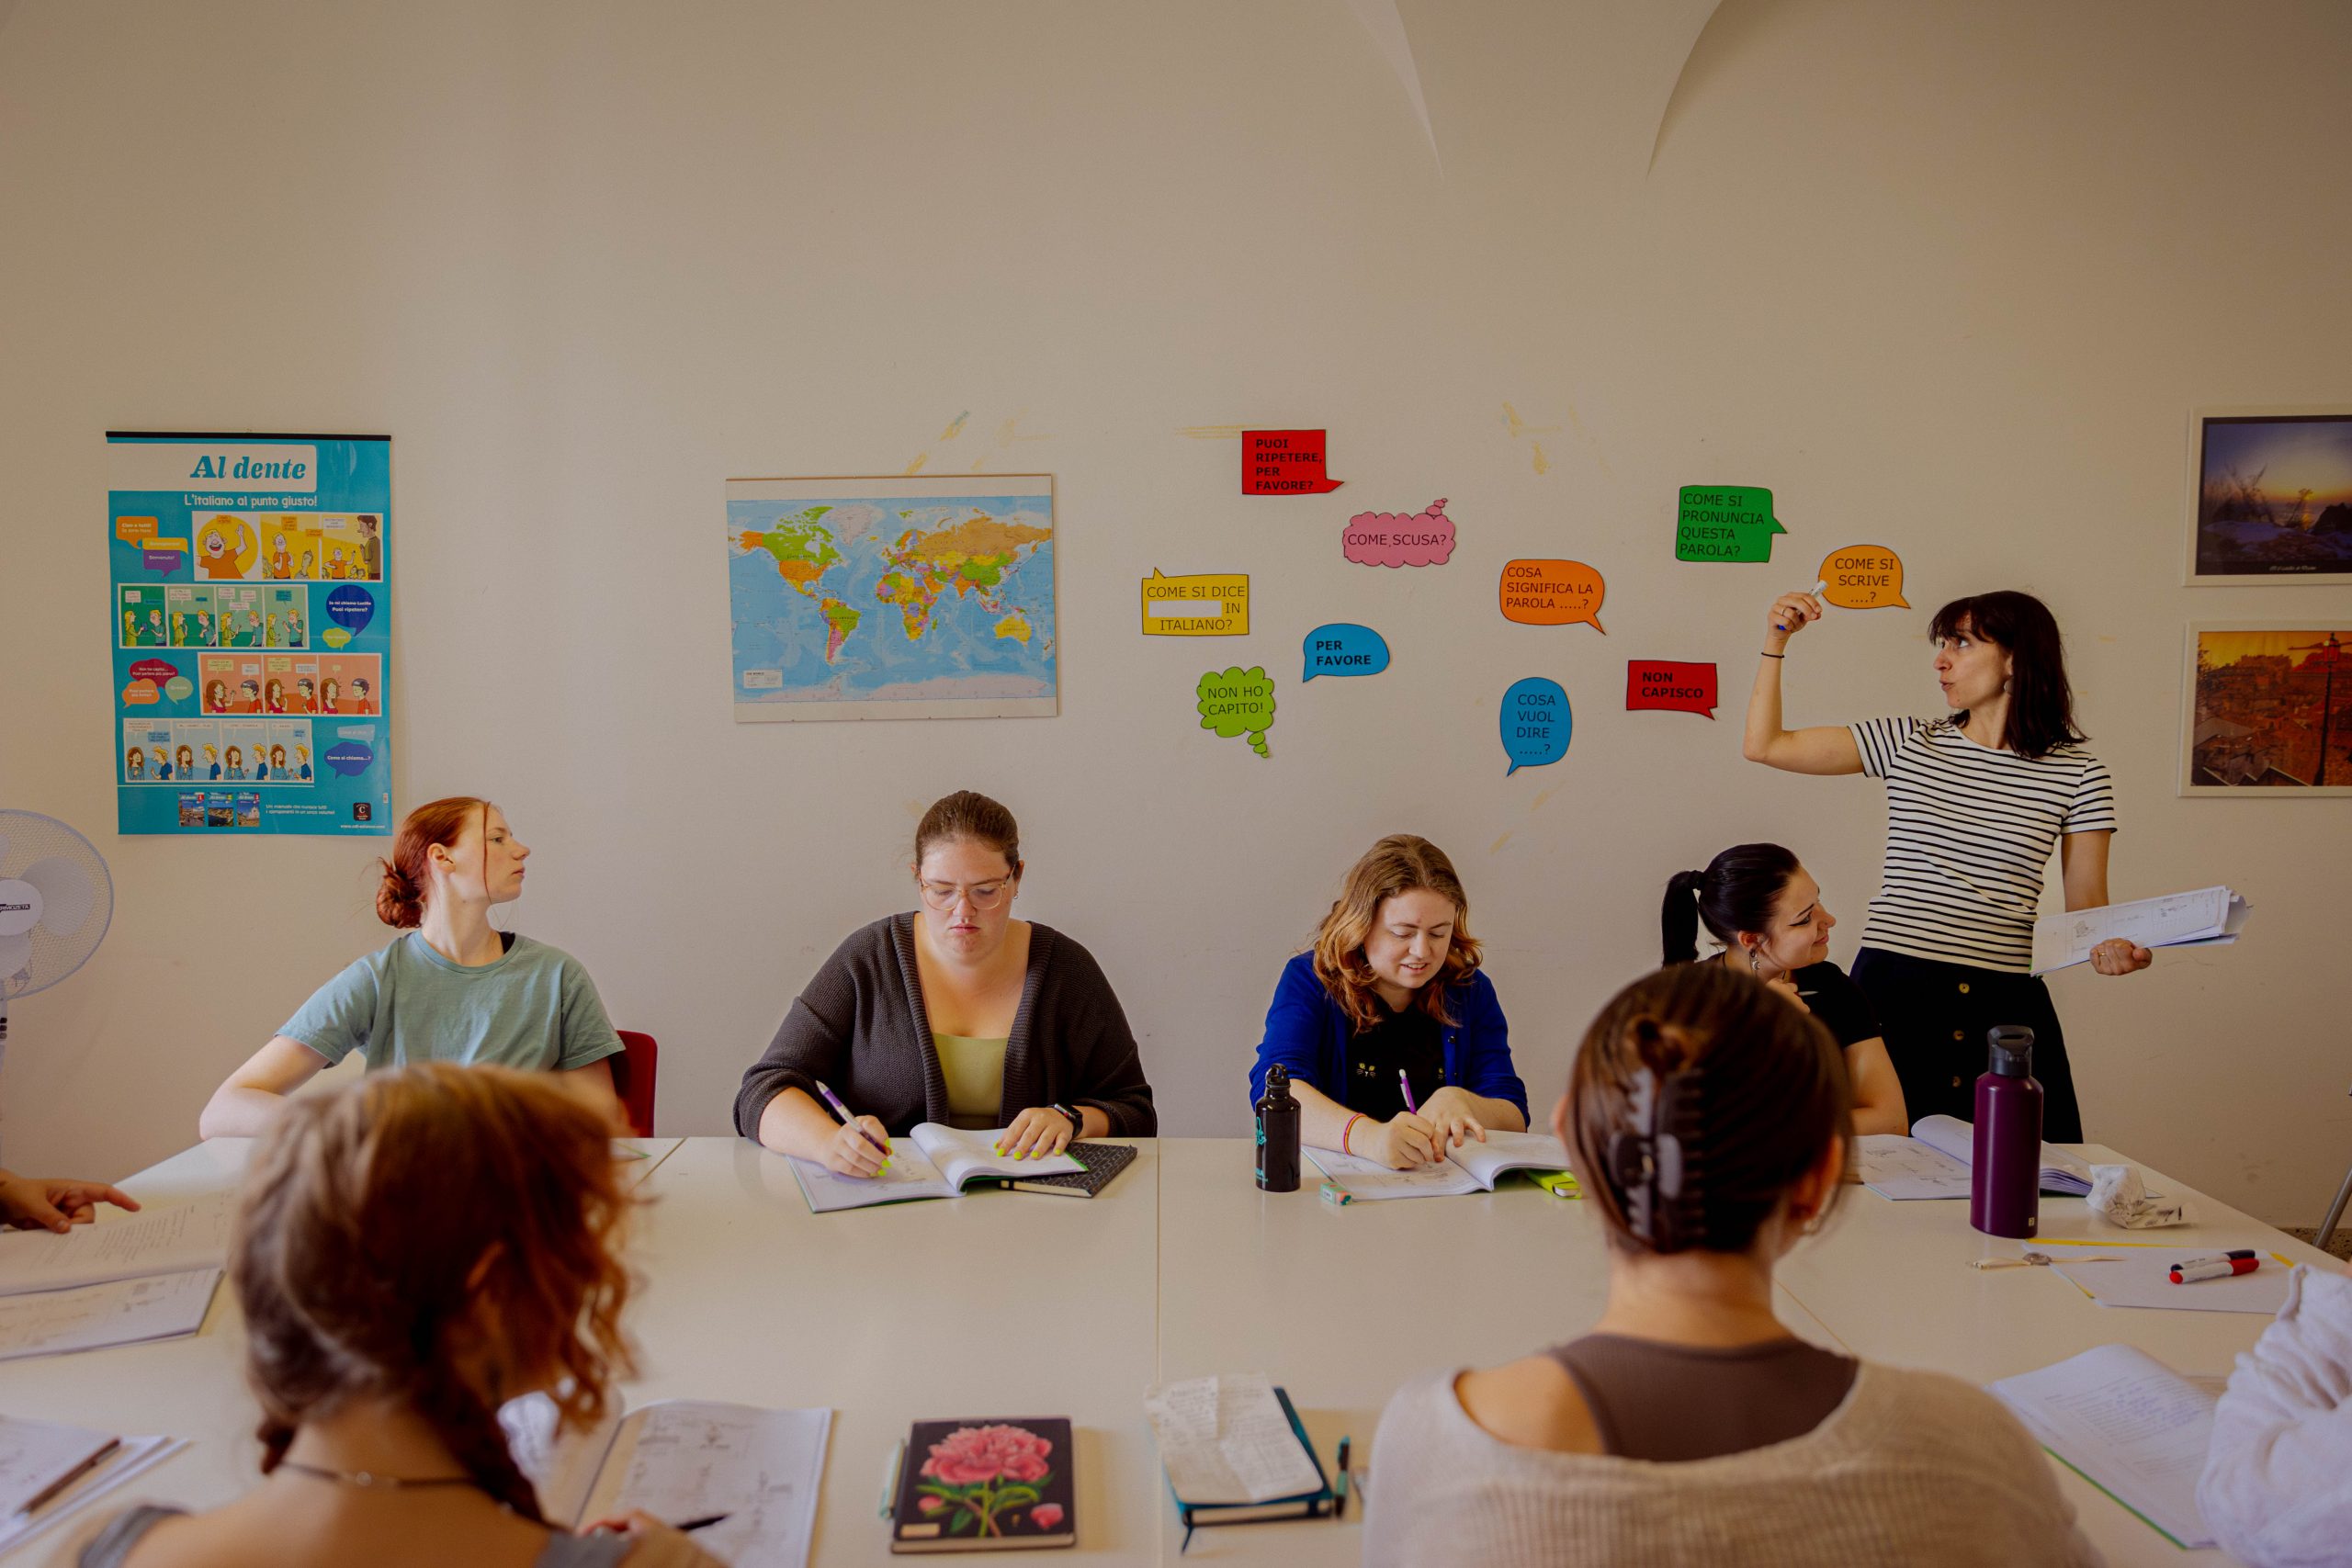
[1709,1121]
[1766,911]
[390,1311]
[451,988]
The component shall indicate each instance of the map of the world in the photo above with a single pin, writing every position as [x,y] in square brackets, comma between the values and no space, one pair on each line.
[892,598]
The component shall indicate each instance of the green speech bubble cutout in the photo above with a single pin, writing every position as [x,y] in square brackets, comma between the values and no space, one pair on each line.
[1724,522]
[1237,702]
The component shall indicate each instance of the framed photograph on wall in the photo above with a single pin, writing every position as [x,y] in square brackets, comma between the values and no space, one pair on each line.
[2271,495]
[2266,708]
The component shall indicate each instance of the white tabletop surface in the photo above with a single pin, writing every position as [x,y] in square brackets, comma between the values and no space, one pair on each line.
[1007,1304]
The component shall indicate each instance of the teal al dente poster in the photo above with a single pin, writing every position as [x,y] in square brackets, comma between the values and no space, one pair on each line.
[251,632]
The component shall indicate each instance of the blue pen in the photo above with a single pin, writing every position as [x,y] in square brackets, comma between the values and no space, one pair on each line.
[847,1120]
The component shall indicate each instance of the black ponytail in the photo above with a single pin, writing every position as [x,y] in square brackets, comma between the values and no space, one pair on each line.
[1678,921]
[1734,893]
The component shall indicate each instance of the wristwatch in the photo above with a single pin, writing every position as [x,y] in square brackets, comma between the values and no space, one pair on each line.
[1077,1122]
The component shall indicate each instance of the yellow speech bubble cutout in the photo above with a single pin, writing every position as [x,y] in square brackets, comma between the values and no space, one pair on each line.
[334,636]
[1864,577]
[1209,603]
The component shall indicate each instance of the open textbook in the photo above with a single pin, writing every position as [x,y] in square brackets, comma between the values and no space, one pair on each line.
[2129,1424]
[177,1240]
[92,1317]
[2210,917]
[1933,1162]
[932,1162]
[1473,1168]
[681,1459]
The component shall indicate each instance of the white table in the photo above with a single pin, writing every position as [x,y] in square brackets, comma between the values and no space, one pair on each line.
[1004,1304]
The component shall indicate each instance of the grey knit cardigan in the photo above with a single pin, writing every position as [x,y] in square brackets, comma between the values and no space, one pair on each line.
[860,1026]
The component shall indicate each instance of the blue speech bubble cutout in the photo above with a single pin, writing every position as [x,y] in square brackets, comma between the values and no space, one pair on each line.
[349,758]
[351,608]
[1537,723]
[1345,648]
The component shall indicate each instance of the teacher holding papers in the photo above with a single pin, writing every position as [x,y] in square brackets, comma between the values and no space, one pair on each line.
[955,1013]
[1975,803]
[1396,1047]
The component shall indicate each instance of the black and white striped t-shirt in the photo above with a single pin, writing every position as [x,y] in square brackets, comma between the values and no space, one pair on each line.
[1969,833]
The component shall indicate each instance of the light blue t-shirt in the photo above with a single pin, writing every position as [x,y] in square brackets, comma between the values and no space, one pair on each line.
[533,1008]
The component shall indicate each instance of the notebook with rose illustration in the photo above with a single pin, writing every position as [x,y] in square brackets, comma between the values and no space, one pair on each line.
[998,1484]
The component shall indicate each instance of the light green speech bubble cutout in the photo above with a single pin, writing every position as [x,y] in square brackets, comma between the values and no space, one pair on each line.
[1237,702]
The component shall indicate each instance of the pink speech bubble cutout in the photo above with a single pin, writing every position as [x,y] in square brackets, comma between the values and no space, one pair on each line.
[1396,539]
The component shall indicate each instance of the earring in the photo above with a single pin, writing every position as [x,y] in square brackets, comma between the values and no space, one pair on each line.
[2005,686]
[1755,963]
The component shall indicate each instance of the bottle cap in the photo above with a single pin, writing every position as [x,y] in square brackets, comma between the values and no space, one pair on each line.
[2012,1050]
[1277,1081]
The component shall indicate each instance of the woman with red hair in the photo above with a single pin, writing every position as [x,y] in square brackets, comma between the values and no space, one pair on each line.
[451,988]
[388,1312]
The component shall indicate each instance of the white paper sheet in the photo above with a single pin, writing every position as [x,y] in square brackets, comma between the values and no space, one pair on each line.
[2129,1421]
[34,1454]
[136,1455]
[1370,1181]
[1905,1169]
[90,1318]
[688,1459]
[2204,916]
[2141,1280]
[167,1241]
[1224,1439]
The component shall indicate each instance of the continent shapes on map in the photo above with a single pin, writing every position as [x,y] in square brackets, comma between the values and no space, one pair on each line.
[805,551]
[970,556]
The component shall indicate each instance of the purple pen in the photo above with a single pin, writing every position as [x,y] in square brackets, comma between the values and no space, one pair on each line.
[847,1120]
[1404,1083]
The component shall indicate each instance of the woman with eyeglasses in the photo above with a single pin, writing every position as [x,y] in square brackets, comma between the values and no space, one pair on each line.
[953,1012]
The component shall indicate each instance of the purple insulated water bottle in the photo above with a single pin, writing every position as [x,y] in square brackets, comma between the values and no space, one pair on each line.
[2004,1177]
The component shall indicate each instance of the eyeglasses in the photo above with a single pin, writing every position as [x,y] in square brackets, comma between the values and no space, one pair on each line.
[983,895]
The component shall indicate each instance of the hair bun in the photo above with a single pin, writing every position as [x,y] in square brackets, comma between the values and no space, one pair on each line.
[399,902]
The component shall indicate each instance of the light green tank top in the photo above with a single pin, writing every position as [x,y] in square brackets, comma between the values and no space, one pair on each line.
[975,1073]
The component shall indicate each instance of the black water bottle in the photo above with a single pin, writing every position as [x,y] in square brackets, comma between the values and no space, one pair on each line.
[1277,1134]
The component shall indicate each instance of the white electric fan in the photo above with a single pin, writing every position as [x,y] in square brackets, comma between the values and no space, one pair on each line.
[56,901]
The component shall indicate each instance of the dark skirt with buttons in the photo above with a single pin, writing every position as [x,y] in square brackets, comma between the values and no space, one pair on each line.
[1936,1017]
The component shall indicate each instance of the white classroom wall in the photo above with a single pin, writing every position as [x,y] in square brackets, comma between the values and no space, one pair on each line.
[1946,276]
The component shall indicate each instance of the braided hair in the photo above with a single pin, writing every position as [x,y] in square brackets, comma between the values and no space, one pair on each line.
[369,1267]
[1697,1100]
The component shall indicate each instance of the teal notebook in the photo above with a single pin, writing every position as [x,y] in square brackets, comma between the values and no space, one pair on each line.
[1304,1505]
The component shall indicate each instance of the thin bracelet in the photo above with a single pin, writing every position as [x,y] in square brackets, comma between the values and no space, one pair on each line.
[1776,655]
[1348,1129]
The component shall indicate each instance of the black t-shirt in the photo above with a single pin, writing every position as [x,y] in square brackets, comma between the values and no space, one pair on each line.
[1838,1003]
[1410,1040]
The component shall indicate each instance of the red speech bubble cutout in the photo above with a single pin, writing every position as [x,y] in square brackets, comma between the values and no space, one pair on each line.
[1284,462]
[1553,594]
[1667,685]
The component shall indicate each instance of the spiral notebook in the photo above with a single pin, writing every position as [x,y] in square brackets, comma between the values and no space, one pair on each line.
[1102,1162]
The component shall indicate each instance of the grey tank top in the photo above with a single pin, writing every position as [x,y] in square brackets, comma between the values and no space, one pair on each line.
[1654,1401]
[114,1545]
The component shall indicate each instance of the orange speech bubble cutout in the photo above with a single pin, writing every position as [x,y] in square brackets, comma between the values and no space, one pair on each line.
[1553,594]
[1864,577]
[129,528]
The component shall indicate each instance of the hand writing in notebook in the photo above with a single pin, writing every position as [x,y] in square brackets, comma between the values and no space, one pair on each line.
[1405,1142]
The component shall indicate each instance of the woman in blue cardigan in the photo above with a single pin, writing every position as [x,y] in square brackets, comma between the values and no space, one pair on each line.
[1394,1044]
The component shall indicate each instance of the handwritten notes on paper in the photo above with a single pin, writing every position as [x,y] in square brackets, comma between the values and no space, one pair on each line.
[1225,1440]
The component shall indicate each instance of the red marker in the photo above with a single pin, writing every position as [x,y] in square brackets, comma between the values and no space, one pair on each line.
[2222,1267]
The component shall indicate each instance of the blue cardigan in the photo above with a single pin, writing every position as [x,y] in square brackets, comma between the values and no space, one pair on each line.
[1307,1034]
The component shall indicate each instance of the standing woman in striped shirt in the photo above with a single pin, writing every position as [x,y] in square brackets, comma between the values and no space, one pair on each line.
[1975,801]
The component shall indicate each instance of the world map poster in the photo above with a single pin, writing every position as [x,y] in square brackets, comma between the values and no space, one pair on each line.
[892,598]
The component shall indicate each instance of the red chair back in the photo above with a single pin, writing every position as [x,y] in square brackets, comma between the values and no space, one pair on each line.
[633,1073]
